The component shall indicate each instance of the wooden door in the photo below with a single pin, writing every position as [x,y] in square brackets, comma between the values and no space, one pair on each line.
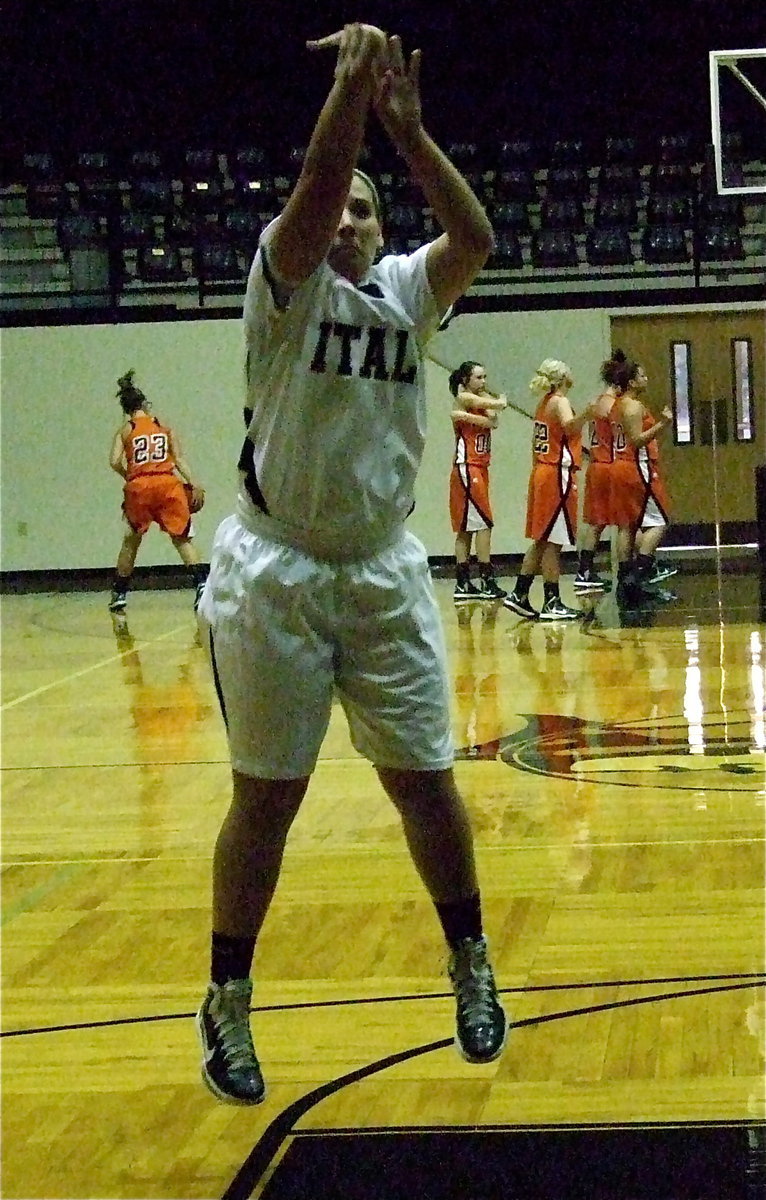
[711,475]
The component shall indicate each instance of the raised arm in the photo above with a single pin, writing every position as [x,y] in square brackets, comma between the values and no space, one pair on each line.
[308,223]
[633,420]
[483,401]
[456,257]
[571,422]
[468,417]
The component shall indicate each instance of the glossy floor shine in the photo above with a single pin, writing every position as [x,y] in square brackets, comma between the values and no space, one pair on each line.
[614,770]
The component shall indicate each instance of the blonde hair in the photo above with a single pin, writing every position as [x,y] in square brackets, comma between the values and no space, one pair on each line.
[550,375]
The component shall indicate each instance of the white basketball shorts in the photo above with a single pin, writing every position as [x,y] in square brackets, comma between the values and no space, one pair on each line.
[288,631]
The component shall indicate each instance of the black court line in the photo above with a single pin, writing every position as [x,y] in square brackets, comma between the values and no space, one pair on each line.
[753,978]
[613,1161]
[267,1147]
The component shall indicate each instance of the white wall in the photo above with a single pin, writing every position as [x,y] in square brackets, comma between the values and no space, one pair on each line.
[61,502]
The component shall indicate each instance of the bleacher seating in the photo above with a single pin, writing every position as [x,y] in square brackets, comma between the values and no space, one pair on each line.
[615,212]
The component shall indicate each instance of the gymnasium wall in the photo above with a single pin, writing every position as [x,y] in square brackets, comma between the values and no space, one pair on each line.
[61,502]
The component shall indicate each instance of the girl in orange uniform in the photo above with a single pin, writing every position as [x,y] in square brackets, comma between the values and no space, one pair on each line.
[597,501]
[146,454]
[474,416]
[639,499]
[552,498]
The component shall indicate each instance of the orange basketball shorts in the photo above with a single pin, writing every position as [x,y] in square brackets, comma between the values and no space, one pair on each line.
[158,499]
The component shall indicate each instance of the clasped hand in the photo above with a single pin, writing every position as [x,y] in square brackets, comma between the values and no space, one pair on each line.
[369,56]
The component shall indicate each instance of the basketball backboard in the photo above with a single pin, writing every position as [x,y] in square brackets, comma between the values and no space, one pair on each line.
[738,120]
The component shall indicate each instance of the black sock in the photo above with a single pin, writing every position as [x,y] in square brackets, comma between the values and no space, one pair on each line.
[230,957]
[121,584]
[462,573]
[550,591]
[486,571]
[586,561]
[199,573]
[624,571]
[522,585]
[643,564]
[460,919]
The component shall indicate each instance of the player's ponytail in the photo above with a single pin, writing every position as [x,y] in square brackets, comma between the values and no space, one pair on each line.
[551,374]
[130,397]
[619,371]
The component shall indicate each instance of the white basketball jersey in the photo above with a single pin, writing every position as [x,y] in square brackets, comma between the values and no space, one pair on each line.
[336,385]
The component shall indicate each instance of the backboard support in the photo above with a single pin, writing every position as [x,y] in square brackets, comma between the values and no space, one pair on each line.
[738,63]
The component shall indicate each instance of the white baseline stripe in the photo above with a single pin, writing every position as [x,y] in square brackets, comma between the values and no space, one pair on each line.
[104,662]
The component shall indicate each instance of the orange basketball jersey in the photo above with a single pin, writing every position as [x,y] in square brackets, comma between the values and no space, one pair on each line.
[147,448]
[652,447]
[552,446]
[473,444]
[600,444]
[622,451]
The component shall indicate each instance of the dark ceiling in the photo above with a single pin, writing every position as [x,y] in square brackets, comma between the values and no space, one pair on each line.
[124,74]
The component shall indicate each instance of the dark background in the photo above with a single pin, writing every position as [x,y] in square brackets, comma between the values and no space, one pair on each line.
[132,74]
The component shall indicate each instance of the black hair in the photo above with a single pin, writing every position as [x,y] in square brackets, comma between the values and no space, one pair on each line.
[619,371]
[461,375]
[130,397]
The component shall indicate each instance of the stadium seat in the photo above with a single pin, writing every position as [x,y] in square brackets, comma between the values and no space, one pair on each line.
[608,247]
[217,261]
[152,194]
[726,209]
[79,231]
[202,182]
[564,181]
[568,152]
[98,183]
[554,248]
[618,179]
[517,152]
[620,151]
[242,227]
[507,254]
[160,263]
[565,213]
[405,220]
[664,244]
[674,179]
[615,212]
[515,183]
[140,164]
[510,214]
[135,229]
[48,201]
[675,148]
[720,242]
[669,210]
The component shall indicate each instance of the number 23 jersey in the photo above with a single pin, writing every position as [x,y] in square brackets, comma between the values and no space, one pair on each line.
[147,448]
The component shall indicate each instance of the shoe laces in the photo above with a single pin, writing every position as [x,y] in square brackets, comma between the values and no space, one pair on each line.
[230,1010]
[474,982]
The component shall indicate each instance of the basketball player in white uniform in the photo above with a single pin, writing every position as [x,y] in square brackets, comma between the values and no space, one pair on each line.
[316,588]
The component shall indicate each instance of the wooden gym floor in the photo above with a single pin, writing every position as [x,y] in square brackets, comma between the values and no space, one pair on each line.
[614,771]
